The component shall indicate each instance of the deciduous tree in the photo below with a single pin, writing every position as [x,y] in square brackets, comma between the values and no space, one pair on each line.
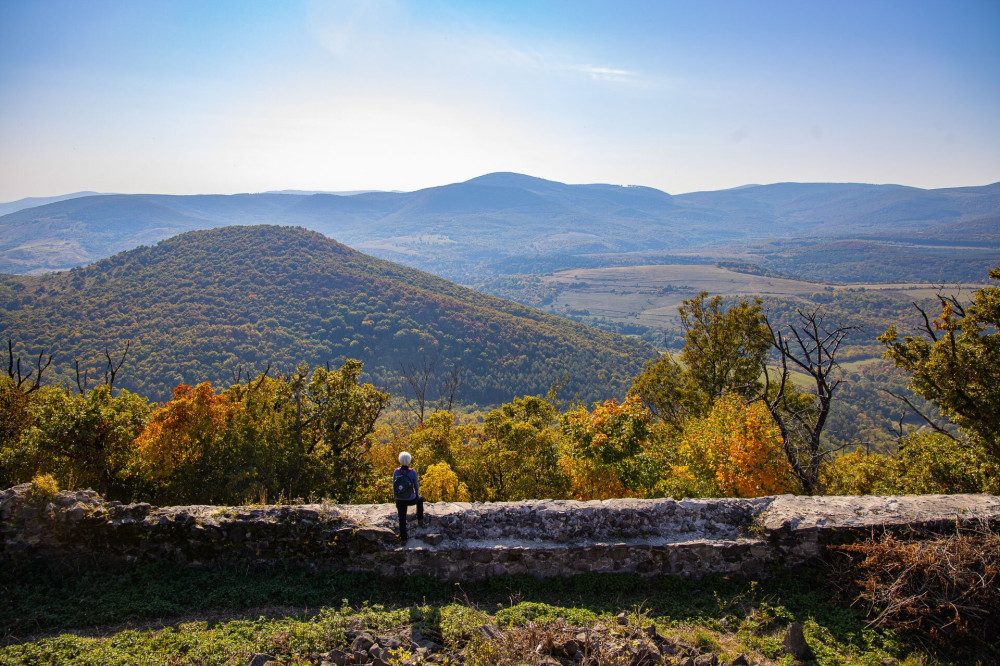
[605,449]
[724,350]
[955,362]
[181,431]
[925,462]
[734,451]
[517,454]
[439,483]
[86,441]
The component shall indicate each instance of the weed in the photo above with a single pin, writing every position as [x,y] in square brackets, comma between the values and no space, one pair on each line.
[43,489]
[703,639]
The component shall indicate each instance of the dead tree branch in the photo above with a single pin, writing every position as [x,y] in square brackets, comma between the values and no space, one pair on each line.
[112,368]
[812,348]
[20,378]
[418,378]
[909,403]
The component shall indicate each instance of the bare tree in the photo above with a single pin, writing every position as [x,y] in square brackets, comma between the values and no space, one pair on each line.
[418,377]
[810,348]
[240,373]
[81,380]
[449,386]
[19,377]
[111,369]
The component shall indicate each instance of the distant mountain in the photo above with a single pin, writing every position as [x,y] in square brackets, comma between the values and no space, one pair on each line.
[31,202]
[453,230]
[74,232]
[200,305]
[835,209]
[343,193]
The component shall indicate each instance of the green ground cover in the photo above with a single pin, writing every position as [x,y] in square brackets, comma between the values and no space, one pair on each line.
[165,614]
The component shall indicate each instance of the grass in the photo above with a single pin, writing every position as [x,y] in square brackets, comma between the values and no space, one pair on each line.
[167,614]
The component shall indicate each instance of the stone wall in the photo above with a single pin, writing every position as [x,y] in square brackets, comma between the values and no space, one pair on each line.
[463,541]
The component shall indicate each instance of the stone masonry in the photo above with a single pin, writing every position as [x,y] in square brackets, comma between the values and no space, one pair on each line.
[465,541]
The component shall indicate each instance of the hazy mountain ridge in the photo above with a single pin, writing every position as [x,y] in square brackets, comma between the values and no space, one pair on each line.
[453,229]
[200,305]
[33,202]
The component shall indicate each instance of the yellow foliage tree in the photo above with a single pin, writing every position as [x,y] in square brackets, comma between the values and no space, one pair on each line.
[604,449]
[435,439]
[591,480]
[441,484]
[859,473]
[735,451]
[925,462]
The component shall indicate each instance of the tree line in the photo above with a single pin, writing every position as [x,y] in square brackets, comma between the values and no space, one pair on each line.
[725,418]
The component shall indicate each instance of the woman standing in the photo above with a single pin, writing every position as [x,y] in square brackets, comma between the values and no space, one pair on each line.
[405,488]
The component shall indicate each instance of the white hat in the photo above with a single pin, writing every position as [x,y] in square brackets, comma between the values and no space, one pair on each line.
[405,459]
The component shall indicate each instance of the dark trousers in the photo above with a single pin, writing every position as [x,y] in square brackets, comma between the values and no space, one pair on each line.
[401,510]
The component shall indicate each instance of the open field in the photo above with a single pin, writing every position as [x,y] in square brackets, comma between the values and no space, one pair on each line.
[650,295]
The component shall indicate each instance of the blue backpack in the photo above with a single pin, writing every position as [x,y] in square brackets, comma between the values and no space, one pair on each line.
[402,486]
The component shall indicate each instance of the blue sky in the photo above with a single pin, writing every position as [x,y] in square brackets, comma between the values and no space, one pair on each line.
[188,97]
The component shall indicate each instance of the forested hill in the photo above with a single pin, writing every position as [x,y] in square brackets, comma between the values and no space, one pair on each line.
[200,305]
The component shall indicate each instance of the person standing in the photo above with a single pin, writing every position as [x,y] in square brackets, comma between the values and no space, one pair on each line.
[406,490]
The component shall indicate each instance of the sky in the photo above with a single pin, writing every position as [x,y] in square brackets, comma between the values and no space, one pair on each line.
[172,96]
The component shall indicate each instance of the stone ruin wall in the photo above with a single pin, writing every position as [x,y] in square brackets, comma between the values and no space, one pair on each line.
[467,541]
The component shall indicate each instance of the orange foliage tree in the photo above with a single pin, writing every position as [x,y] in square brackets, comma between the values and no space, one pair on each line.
[291,436]
[734,451]
[178,432]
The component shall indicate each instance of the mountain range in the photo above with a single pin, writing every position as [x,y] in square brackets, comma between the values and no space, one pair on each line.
[206,305]
[457,229]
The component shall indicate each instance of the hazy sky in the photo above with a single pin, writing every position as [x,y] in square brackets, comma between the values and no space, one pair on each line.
[215,96]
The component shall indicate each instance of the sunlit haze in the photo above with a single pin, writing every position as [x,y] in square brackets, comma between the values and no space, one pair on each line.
[192,97]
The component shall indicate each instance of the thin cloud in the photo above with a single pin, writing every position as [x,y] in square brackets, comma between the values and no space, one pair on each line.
[376,35]
[609,74]
[494,49]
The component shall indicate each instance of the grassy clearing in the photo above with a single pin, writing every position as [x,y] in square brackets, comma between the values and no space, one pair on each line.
[164,614]
[650,295]
[858,364]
